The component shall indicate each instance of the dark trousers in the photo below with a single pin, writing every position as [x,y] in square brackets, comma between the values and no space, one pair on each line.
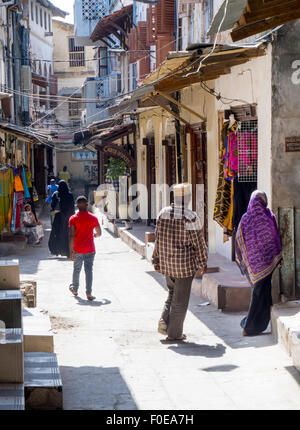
[176,305]
[259,312]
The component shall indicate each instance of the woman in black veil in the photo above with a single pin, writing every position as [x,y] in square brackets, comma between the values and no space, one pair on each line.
[63,205]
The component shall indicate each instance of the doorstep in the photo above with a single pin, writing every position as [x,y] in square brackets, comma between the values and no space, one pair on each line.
[285,322]
[223,285]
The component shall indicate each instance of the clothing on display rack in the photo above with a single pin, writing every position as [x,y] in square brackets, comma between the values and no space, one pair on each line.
[14,192]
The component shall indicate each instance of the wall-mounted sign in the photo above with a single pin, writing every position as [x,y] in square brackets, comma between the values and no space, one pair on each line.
[292,144]
[118,152]
[84,156]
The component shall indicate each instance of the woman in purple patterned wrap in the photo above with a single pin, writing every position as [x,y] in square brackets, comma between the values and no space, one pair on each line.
[258,253]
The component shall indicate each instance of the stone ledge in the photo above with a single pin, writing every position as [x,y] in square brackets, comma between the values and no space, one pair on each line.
[228,291]
[285,322]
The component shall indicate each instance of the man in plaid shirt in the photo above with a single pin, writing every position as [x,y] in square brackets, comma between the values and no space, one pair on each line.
[180,250]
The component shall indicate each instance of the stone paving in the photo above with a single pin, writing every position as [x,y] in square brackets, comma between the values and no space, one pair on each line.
[111,356]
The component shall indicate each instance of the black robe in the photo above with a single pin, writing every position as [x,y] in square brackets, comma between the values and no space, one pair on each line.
[59,238]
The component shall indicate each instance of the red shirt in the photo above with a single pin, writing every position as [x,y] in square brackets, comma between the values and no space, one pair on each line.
[84,223]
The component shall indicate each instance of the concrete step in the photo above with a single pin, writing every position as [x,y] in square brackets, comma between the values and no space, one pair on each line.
[285,321]
[38,336]
[12,397]
[226,290]
[11,308]
[9,275]
[42,381]
[11,356]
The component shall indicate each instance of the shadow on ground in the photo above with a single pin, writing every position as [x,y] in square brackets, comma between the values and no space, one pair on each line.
[95,388]
[95,303]
[197,350]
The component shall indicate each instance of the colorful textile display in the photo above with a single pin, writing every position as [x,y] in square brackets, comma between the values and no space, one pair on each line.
[13,193]
[26,191]
[223,209]
[231,151]
[258,249]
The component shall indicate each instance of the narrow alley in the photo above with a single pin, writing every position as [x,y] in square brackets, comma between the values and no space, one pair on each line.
[111,356]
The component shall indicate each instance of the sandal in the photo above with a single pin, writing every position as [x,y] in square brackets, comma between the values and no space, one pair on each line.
[183,337]
[71,288]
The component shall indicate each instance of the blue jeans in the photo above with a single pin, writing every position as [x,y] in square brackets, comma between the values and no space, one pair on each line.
[88,260]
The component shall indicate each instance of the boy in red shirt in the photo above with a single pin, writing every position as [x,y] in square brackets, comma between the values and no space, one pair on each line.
[82,247]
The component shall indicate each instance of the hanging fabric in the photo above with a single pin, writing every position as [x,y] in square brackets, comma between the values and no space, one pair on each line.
[26,191]
[223,209]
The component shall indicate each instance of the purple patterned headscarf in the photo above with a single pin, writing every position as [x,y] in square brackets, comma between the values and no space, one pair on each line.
[258,249]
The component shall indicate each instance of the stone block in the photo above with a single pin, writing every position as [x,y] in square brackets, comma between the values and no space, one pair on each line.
[295,348]
[285,322]
[9,275]
[12,397]
[38,336]
[225,291]
[29,293]
[11,308]
[42,381]
[11,356]
[149,237]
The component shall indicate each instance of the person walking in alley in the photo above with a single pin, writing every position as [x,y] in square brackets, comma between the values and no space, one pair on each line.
[258,253]
[82,247]
[62,206]
[64,175]
[180,250]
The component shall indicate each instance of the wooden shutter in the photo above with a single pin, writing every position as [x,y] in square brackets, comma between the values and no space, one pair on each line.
[5,103]
[53,89]
[164,44]
[143,57]
[132,45]
[164,17]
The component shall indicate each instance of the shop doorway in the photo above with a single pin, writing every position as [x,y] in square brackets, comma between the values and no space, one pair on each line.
[199,172]
[149,142]
[39,170]
[170,163]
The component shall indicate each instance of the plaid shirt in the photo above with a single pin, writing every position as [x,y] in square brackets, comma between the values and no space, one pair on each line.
[180,248]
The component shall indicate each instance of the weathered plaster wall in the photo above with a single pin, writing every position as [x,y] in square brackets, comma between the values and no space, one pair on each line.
[285,117]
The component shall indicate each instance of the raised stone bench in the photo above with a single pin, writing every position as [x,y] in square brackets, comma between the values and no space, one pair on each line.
[285,321]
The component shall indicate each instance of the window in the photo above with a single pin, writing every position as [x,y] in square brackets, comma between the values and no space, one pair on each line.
[41,17]
[74,107]
[49,22]
[36,15]
[76,54]
[32,11]
[102,62]
[45,20]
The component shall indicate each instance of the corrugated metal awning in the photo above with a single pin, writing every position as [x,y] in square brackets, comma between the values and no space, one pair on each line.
[233,13]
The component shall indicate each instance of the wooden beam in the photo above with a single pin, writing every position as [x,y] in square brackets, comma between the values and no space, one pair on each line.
[258,27]
[171,99]
[269,12]
[118,27]
[106,43]
[159,103]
